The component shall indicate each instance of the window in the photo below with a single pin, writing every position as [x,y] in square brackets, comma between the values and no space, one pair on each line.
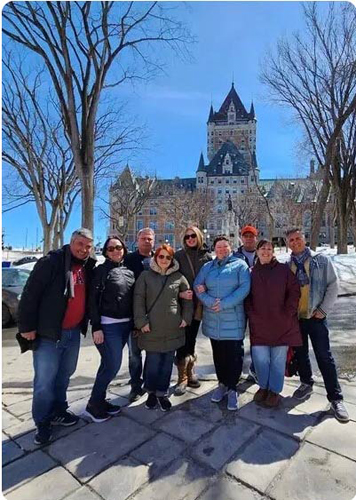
[139,224]
[242,181]
[227,191]
[219,191]
[211,182]
[153,225]
[235,181]
[140,212]
[227,181]
[169,238]
[169,225]
[219,181]
[153,211]
[234,191]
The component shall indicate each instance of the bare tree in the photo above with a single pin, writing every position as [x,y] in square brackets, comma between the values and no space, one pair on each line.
[315,75]
[79,43]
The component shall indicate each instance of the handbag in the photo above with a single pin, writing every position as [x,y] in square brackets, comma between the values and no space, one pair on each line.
[198,309]
[291,363]
[136,331]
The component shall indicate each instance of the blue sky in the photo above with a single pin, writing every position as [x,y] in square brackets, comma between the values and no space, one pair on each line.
[232,38]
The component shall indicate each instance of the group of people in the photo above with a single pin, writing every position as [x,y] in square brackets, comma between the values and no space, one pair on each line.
[155,301]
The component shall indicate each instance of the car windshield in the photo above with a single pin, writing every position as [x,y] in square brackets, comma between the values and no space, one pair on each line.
[14,277]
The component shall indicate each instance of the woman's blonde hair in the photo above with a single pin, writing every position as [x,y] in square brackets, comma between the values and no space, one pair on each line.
[200,237]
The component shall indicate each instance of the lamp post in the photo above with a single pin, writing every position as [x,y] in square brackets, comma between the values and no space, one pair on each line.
[205,231]
[208,240]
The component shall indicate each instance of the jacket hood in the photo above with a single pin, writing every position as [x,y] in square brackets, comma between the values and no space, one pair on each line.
[155,267]
[229,258]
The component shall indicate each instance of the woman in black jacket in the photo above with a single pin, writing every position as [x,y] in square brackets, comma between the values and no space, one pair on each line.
[111,312]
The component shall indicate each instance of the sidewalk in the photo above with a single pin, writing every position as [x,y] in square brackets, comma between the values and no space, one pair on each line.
[198,450]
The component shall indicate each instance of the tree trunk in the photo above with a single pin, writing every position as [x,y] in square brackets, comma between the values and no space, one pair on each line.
[87,182]
[318,213]
[47,238]
[332,230]
[342,228]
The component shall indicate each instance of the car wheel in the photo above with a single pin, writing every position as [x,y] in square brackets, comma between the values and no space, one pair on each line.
[6,315]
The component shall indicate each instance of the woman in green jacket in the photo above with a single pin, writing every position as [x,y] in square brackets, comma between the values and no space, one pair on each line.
[161,317]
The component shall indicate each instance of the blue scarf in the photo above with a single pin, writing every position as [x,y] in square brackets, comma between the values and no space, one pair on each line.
[299,261]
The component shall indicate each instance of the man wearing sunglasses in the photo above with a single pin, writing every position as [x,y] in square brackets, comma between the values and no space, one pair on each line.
[137,262]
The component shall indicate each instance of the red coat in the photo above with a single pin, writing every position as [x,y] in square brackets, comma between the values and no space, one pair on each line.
[272,306]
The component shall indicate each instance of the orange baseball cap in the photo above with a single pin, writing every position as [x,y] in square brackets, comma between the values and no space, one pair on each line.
[249,229]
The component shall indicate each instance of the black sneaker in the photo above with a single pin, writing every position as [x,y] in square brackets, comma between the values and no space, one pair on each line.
[43,434]
[303,391]
[111,409]
[136,394]
[339,410]
[164,403]
[66,419]
[151,402]
[97,415]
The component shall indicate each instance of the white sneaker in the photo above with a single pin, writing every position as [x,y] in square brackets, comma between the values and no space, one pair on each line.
[232,400]
[219,393]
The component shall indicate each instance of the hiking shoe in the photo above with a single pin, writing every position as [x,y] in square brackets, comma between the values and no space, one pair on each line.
[43,434]
[260,395]
[219,393]
[273,399]
[232,401]
[136,394]
[339,410]
[97,415]
[151,402]
[303,391]
[66,419]
[252,376]
[110,408]
[164,403]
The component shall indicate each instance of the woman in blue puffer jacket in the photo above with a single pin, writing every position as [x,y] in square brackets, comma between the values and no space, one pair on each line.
[222,286]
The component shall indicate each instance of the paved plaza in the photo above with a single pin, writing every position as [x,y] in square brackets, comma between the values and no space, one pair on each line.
[199,450]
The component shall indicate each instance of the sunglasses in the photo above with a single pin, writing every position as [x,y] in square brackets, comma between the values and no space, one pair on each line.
[167,257]
[117,247]
[190,236]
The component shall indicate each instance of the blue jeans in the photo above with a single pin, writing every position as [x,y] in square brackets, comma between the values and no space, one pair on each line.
[270,365]
[317,331]
[135,364]
[115,338]
[158,371]
[54,363]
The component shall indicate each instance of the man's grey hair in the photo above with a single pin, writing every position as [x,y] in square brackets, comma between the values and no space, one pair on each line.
[145,230]
[294,230]
[82,232]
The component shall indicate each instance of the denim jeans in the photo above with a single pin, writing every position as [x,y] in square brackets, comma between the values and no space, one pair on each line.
[115,338]
[317,331]
[228,358]
[54,363]
[135,363]
[191,333]
[270,365]
[158,371]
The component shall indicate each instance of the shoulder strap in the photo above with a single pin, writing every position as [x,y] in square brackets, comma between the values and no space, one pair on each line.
[191,264]
[158,296]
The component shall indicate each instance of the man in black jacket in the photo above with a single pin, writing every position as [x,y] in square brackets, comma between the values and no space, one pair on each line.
[52,313]
[137,262]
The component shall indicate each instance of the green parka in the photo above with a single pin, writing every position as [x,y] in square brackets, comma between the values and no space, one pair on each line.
[168,311]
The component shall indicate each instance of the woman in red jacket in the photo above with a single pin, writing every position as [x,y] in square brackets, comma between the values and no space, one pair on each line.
[272,309]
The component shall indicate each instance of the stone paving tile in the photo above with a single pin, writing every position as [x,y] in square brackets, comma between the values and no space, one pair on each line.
[178,401]
[21,407]
[217,448]
[20,428]
[184,425]
[9,420]
[205,408]
[262,459]
[83,493]
[76,394]
[120,390]
[10,451]
[288,421]
[225,488]
[183,480]
[335,436]
[205,386]
[158,452]
[12,398]
[95,446]
[26,441]
[121,479]
[53,485]
[316,402]
[24,469]
[316,474]
[352,411]
[141,414]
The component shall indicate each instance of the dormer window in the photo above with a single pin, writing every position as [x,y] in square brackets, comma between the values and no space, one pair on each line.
[227,165]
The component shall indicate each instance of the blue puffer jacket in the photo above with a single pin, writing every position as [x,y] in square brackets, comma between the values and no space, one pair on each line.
[229,280]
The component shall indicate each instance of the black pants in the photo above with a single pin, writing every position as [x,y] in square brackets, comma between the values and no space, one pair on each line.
[317,331]
[228,357]
[191,333]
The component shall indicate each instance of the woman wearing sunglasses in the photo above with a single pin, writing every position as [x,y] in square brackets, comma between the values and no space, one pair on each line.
[111,312]
[161,316]
[190,258]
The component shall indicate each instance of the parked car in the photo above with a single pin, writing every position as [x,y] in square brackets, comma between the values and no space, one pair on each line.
[13,282]
[25,260]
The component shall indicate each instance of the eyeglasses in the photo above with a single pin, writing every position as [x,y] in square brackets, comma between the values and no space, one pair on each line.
[117,247]
[167,257]
[190,236]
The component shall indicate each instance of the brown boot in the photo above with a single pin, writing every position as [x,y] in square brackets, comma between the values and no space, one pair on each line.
[272,400]
[260,395]
[193,380]
[181,386]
